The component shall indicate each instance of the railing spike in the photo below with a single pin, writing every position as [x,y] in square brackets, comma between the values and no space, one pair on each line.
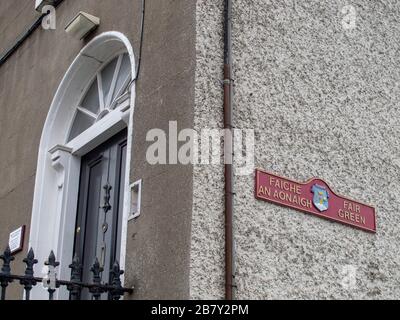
[51,281]
[52,260]
[76,268]
[29,282]
[115,274]
[7,259]
[31,254]
[5,271]
[76,274]
[96,269]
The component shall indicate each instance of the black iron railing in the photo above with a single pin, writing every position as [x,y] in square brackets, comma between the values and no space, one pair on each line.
[114,289]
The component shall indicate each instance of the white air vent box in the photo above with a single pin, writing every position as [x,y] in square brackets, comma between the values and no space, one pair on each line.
[82,25]
[136,196]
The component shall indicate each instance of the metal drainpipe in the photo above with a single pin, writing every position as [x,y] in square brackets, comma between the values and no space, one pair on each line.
[229,247]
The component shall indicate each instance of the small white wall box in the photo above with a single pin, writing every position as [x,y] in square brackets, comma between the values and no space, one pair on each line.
[136,195]
[39,4]
[82,25]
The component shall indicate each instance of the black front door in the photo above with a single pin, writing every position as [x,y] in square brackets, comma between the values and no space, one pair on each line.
[100,205]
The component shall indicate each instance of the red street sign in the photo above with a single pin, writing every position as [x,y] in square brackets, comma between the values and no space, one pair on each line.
[314,197]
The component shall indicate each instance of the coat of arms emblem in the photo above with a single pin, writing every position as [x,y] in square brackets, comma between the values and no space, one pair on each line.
[321,197]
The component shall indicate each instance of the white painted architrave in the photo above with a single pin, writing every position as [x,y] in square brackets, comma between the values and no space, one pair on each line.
[58,169]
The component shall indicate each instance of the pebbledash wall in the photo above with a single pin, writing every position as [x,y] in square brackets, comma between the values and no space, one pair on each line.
[321,90]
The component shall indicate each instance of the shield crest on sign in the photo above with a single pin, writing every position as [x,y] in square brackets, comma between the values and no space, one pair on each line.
[321,197]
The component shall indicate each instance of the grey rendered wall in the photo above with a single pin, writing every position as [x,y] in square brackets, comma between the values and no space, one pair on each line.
[28,82]
[158,252]
[323,101]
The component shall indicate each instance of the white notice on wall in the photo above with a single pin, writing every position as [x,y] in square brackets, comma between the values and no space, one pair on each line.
[16,239]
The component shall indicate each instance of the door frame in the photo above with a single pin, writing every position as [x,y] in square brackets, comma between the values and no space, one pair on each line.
[59,163]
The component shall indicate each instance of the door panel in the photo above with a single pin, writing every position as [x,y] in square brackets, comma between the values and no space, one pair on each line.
[100,207]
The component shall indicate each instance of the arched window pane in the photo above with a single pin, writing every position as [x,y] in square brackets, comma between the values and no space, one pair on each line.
[91,108]
[107,76]
[91,101]
[82,122]
[123,75]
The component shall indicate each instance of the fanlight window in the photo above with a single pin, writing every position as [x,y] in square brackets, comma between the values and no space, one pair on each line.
[103,96]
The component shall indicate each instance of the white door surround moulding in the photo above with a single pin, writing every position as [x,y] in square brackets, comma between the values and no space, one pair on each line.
[58,169]
[98,133]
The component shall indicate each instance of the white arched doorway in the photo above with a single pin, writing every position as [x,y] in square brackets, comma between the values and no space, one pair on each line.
[71,131]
